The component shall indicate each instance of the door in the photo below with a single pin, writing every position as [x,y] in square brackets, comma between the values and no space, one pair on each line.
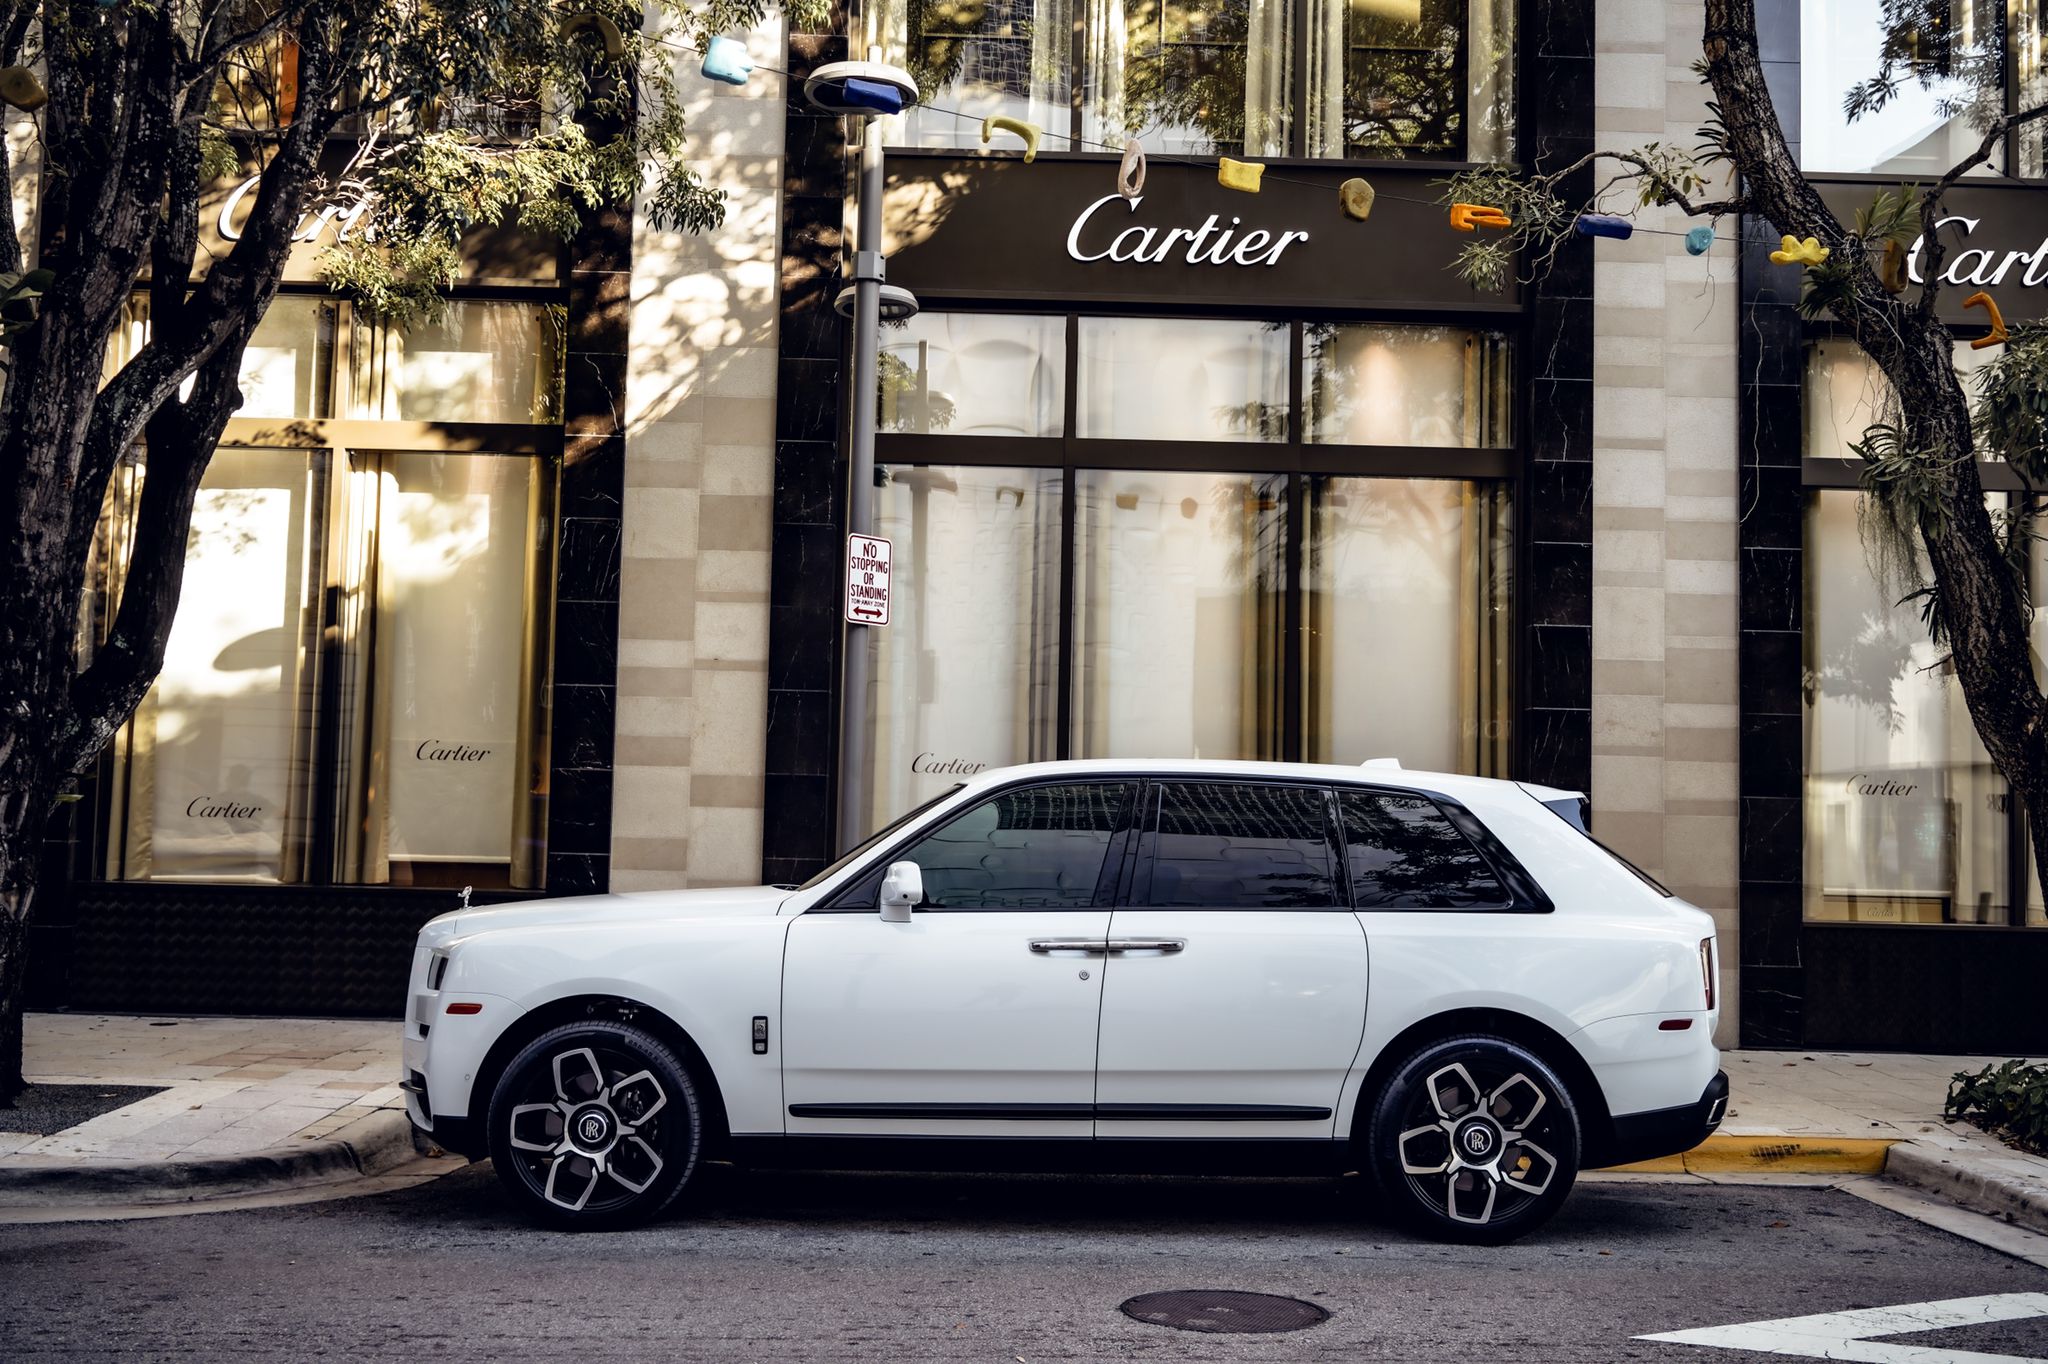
[978,1017]
[1235,982]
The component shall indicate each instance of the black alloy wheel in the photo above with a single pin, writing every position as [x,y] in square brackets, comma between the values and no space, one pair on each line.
[595,1126]
[1474,1139]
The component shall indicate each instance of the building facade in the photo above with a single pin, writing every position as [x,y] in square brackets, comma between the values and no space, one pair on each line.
[1178,471]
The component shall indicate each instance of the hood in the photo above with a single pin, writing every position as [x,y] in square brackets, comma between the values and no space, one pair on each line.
[648,905]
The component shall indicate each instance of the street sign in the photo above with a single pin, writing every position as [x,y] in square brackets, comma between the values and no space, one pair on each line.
[1857,1335]
[867,579]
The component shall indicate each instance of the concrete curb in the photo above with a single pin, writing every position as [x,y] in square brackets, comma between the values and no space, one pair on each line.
[369,1146]
[1968,1183]
[1731,1153]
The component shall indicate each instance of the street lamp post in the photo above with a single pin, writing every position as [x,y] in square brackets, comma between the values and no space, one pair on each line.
[860,91]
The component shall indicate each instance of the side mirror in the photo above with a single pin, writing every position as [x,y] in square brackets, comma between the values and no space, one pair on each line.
[902,891]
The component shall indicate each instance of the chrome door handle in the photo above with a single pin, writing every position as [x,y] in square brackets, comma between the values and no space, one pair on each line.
[1069,945]
[1147,944]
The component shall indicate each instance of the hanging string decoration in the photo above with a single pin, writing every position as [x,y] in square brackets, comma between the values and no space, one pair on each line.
[1130,174]
[1472,217]
[1998,335]
[1030,132]
[1891,268]
[1604,225]
[1699,241]
[1792,251]
[1239,175]
[725,59]
[1355,197]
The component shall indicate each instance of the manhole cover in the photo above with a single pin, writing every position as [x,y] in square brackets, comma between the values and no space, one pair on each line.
[1222,1310]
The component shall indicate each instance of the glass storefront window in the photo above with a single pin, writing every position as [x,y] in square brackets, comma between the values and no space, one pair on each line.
[1925,126]
[1906,819]
[1150,378]
[480,362]
[2030,82]
[974,374]
[288,367]
[966,675]
[1380,384]
[1845,394]
[1406,579]
[979,58]
[1179,614]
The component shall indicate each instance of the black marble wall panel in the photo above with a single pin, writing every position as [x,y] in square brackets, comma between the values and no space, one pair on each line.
[1554,598]
[804,632]
[1772,573]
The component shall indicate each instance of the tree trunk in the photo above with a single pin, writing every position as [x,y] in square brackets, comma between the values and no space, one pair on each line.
[26,790]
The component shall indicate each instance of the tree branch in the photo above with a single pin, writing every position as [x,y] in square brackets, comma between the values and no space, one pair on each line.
[1712,208]
[1930,200]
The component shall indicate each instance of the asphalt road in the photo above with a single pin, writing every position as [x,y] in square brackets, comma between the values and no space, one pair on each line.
[876,1269]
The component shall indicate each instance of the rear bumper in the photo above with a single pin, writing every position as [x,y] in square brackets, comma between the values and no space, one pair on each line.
[1664,1131]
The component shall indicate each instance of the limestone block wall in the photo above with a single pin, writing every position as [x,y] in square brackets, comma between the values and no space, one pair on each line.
[700,443]
[1666,731]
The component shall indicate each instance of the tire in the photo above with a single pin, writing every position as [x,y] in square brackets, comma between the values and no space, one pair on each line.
[595,1126]
[1473,1139]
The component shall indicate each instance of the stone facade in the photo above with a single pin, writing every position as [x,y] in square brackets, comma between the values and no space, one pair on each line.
[693,609]
[1666,727]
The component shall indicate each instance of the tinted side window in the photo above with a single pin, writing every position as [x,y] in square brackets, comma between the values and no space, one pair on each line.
[1040,847]
[1228,846]
[1406,854]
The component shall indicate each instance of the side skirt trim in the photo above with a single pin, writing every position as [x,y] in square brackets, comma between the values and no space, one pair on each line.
[1069,1112]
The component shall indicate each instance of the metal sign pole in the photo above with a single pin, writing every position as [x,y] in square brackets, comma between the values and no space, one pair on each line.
[860,498]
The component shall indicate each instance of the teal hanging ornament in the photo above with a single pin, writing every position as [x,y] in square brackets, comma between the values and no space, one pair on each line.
[725,59]
[1699,241]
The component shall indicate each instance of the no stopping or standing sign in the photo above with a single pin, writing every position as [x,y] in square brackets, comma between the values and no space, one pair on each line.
[867,579]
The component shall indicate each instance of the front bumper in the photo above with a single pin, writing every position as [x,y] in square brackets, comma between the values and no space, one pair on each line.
[1663,1131]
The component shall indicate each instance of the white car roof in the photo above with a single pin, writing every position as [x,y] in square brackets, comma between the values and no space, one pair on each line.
[1377,773]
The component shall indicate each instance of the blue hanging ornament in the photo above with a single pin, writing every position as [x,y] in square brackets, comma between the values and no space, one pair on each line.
[1605,225]
[1699,241]
[725,59]
[883,99]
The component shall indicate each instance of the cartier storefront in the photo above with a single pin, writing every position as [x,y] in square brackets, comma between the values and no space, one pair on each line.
[1193,472]
[367,702]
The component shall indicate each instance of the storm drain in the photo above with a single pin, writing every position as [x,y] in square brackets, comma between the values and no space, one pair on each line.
[1225,1311]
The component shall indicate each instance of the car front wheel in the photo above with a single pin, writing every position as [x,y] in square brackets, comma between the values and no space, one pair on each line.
[595,1125]
[1473,1139]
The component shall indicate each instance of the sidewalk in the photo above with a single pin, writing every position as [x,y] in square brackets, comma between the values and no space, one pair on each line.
[248,1106]
[243,1107]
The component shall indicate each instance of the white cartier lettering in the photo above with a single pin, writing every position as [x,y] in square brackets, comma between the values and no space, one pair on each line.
[1210,244]
[436,751]
[1862,784]
[951,767]
[211,807]
[343,218]
[1978,266]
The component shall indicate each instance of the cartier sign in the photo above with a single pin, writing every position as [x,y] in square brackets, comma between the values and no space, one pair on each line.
[961,228]
[1994,237]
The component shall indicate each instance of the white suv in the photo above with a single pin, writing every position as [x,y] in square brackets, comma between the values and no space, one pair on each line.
[1441,981]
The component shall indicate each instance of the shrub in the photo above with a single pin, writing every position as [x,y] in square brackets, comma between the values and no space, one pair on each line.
[2011,1097]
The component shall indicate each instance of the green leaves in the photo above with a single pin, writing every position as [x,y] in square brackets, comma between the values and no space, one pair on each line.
[2011,1097]
[19,300]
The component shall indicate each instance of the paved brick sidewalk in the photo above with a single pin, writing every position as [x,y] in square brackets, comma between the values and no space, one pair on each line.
[234,1085]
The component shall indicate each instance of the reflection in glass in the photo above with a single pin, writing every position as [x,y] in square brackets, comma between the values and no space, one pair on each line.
[1405,854]
[1845,394]
[1148,378]
[1951,86]
[974,374]
[441,738]
[1906,819]
[2030,79]
[1406,588]
[287,368]
[1175,74]
[1411,78]
[966,674]
[1179,595]
[1379,384]
[1039,848]
[1229,845]
[210,771]
[480,362]
[979,58]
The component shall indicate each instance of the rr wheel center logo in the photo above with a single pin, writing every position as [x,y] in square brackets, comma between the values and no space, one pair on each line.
[592,1129]
[1478,1140]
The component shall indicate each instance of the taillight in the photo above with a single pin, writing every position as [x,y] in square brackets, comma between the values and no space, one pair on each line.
[1707,970]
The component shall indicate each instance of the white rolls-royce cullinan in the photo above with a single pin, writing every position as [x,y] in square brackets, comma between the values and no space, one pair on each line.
[1442,982]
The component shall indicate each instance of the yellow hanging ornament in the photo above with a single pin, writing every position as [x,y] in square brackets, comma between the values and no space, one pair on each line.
[1980,299]
[1355,197]
[1030,132]
[1239,175]
[1792,251]
[1891,270]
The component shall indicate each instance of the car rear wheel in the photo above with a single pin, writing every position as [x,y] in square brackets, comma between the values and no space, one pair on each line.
[1473,1139]
[595,1125]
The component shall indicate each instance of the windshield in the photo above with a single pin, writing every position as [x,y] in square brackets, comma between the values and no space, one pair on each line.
[881,835]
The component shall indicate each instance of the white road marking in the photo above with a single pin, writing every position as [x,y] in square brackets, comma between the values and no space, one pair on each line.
[1850,1335]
